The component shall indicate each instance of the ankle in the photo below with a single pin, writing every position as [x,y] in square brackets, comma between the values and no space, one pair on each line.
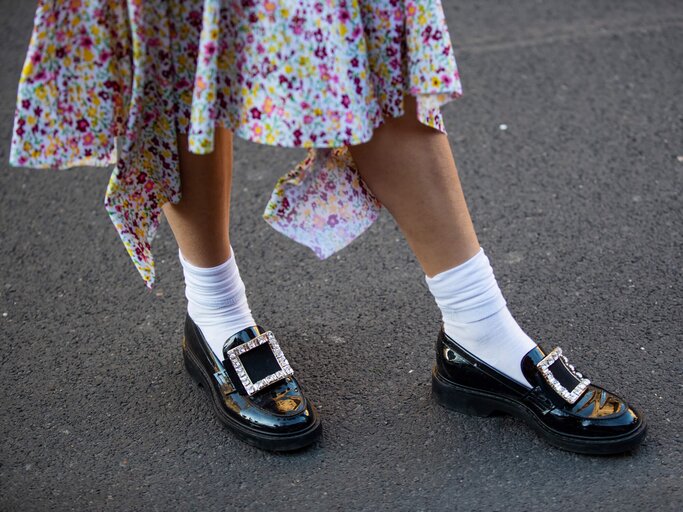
[216,301]
[476,317]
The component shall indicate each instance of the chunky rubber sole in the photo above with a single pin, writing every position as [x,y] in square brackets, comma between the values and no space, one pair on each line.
[265,440]
[474,402]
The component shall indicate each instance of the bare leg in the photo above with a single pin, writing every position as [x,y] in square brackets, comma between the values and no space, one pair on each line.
[217,300]
[410,168]
[201,220]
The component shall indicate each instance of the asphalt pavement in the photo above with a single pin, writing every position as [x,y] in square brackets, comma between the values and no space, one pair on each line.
[569,142]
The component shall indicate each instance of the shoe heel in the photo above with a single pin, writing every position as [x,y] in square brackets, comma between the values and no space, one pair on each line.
[461,400]
[192,367]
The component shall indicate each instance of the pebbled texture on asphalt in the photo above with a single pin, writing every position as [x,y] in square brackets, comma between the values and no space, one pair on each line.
[577,203]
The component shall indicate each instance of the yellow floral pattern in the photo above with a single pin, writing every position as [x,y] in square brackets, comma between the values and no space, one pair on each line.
[113,82]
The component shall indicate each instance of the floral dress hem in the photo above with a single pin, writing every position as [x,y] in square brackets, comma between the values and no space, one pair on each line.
[109,82]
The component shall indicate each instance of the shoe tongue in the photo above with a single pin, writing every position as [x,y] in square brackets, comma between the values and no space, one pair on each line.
[529,362]
[241,337]
[536,354]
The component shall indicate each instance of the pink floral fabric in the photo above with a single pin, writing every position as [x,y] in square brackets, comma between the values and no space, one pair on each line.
[113,82]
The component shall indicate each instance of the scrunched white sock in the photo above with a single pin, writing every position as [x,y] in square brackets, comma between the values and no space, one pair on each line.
[216,301]
[475,316]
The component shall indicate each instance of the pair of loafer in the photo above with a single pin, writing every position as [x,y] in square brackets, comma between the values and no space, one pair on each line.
[253,391]
[255,394]
[562,406]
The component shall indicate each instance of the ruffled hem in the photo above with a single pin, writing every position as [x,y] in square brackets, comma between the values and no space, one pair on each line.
[90,96]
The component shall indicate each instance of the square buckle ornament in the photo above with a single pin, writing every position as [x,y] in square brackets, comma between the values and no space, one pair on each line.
[544,367]
[266,338]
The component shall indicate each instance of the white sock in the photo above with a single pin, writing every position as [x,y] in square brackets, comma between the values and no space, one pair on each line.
[216,301]
[476,317]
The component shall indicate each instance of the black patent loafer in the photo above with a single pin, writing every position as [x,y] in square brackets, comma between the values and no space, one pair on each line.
[253,392]
[563,406]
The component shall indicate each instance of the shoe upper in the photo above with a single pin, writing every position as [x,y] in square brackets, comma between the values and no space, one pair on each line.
[280,407]
[589,411]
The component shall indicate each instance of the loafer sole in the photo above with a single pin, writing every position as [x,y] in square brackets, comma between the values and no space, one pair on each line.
[475,402]
[264,440]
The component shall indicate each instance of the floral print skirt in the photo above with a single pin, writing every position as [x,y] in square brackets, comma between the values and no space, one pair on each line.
[112,82]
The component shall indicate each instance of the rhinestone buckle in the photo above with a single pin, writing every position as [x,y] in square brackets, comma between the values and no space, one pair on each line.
[544,367]
[253,387]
